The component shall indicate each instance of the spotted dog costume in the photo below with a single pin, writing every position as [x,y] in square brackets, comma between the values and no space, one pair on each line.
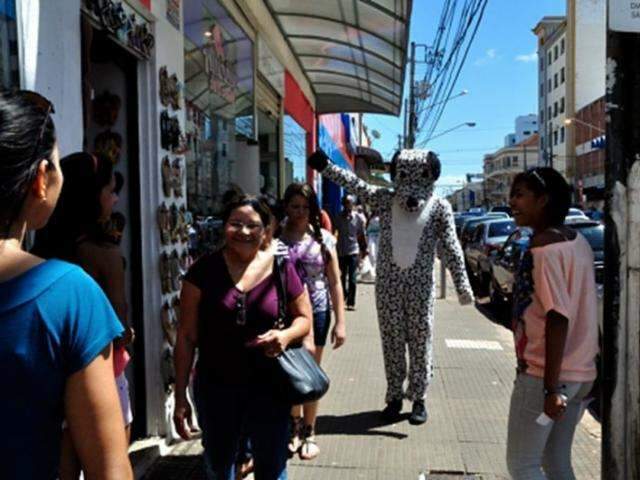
[412,222]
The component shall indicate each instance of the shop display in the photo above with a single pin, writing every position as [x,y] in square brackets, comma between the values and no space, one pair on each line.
[177,178]
[176,274]
[169,323]
[170,89]
[108,144]
[164,224]
[167,368]
[167,176]
[165,273]
[106,108]
[121,21]
[171,137]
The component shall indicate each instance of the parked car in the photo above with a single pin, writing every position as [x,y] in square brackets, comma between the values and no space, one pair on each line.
[460,218]
[487,238]
[576,213]
[504,264]
[501,208]
[470,223]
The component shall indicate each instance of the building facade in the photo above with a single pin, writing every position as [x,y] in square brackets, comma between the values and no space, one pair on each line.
[526,125]
[202,96]
[554,93]
[589,125]
[501,167]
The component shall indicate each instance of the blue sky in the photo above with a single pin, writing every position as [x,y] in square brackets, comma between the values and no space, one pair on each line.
[500,74]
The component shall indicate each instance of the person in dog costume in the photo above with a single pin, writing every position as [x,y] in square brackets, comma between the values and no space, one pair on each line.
[412,222]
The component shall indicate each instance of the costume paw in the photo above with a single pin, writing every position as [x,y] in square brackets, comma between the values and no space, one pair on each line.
[466,298]
[318,160]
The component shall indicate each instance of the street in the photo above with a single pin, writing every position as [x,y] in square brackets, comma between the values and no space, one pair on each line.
[465,436]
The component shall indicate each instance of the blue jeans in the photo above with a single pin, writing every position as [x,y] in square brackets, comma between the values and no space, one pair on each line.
[536,452]
[230,414]
[321,324]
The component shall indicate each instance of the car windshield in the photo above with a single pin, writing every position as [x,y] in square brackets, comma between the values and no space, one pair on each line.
[501,229]
[594,235]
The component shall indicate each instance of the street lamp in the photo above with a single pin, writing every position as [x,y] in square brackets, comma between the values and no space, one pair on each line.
[570,121]
[465,124]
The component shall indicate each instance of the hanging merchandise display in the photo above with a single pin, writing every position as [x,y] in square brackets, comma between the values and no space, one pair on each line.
[109,145]
[164,224]
[122,23]
[170,89]
[171,137]
[167,176]
[106,108]
[177,178]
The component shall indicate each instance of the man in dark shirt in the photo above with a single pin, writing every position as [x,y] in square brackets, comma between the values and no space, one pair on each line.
[350,228]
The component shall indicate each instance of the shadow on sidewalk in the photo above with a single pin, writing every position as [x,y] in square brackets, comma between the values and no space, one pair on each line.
[498,314]
[362,423]
[177,467]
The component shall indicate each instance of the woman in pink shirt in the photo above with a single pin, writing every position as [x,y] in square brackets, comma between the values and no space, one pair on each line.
[555,328]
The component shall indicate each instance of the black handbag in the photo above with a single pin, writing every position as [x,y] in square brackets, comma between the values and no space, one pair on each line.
[297,378]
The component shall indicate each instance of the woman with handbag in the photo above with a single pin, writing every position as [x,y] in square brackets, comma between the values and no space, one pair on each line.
[229,310]
[312,250]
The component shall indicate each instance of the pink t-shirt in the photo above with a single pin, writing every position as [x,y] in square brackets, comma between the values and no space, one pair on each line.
[564,281]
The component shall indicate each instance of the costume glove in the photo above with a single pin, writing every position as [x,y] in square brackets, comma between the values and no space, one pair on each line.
[318,160]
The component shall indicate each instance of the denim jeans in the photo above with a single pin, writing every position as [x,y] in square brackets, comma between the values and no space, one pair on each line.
[348,271]
[230,414]
[535,452]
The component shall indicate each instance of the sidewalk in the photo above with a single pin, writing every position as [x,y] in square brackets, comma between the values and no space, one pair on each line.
[468,405]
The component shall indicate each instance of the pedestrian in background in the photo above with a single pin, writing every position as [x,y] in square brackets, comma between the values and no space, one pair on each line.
[79,232]
[312,251]
[56,324]
[229,306]
[351,234]
[555,328]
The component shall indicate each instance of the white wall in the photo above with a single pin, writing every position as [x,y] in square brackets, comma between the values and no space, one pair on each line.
[590,48]
[50,59]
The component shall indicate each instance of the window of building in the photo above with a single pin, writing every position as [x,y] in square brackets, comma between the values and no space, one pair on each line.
[550,114]
[562,77]
[542,89]
[515,161]
[561,134]
[555,109]
[542,64]
[542,115]
[555,80]
[555,52]
[541,143]
[555,137]
[562,105]
[9,66]
[562,46]
[549,59]
[527,132]
[549,88]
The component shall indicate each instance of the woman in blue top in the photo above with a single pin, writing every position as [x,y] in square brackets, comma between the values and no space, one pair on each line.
[56,325]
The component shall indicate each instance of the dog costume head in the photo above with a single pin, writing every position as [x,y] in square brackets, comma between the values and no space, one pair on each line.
[414,173]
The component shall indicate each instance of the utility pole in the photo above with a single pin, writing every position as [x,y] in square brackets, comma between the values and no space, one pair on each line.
[406,119]
[621,329]
[524,148]
[411,129]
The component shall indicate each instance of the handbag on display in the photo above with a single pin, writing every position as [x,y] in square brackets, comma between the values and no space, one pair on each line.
[296,376]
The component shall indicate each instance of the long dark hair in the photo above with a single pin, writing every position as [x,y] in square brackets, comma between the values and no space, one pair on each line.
[306,191]
[27,136]
[78,211]
[547,181]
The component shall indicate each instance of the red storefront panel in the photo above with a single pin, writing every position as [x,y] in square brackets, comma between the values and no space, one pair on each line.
[299,107]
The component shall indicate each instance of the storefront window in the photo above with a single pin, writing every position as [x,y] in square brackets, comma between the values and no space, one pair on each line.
[269,157]
[219,94]
[295,151]
[9,66]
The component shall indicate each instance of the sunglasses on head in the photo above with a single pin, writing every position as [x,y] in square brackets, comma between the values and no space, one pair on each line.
[42,104]
[534,173]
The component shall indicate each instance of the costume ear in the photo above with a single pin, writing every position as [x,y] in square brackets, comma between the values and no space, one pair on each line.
[434,166]
[392,165]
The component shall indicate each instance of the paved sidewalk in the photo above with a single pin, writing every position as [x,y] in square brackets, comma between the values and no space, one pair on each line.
[468,405]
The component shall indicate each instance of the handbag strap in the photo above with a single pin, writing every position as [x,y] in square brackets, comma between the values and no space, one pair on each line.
[278,277]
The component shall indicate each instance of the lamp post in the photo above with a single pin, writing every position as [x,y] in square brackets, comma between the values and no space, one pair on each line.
[465,124]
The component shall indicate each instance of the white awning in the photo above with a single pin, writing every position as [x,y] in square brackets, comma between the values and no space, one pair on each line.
[352,51]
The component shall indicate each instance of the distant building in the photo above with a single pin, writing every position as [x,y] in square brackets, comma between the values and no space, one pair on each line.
[526,125]
[470,195]
[553,77]
[502,166]
[589,126]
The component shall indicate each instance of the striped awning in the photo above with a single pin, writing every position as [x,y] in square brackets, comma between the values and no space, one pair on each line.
[352,51]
